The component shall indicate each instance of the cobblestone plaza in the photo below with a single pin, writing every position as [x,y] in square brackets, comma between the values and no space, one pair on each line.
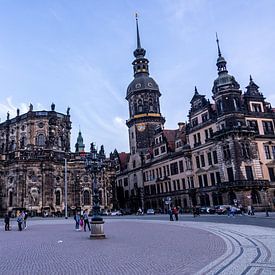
[138,247]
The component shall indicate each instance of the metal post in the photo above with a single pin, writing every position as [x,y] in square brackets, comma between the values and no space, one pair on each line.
[66,191]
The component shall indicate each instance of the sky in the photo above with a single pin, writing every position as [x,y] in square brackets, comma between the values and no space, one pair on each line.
[79,54]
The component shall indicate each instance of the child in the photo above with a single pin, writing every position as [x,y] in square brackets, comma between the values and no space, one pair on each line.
[81,223]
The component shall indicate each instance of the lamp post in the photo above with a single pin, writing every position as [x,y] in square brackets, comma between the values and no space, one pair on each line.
[94,165]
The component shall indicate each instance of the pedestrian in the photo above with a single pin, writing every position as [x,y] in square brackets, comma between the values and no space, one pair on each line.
[25,220]
[170,212]
[252,210]
[249,210]
[77,220]
[7,222]
[176,213]
[20,221]
[86,220]
[194,210]
[81,223]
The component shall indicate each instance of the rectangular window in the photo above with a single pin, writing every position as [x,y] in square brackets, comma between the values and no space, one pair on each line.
[168,171]
[156,151]
[254,125]
[230,174]
[174,185]
[198,161]
[169,186]
[200,181]
[192,182]
[202,161]
[211,132]
[271,173]
[160,173]
[178,184]
[215,157]
[273,151]
[195,122]
[209,156]
[205,180]
[256,108]
[195,139]
[249,173]
[166,187]
[125,182]
[199,138]
[174,168]
[181,166]
[268,127]
[162,149]
[183,184]
[206,134]
[212,177]
[267,152]
[204,117]
[218,177]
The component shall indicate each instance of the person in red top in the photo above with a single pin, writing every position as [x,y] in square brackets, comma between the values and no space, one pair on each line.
[176,213]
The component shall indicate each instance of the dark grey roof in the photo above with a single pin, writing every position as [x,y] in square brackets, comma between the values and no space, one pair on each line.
[142,82]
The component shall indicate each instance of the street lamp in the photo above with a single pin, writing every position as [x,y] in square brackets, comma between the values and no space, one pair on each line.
[94,165]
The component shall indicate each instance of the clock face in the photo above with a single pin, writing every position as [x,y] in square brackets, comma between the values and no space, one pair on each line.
[141,127]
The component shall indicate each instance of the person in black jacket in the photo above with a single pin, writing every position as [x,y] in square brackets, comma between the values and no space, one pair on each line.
[7,222]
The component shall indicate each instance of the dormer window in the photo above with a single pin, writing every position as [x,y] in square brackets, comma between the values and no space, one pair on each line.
[204,117]
[256,108]
[194,121]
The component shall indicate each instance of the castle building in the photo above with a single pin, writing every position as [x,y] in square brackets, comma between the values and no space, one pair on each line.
[224,154]
[33,149]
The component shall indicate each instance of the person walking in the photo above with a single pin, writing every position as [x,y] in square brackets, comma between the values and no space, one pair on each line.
[170,212]
[7,222]
[86,220]
[77,220]
[20,220]
[25,220]
[176,213]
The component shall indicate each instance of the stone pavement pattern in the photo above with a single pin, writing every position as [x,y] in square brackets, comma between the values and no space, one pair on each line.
[139,247]
[131,248]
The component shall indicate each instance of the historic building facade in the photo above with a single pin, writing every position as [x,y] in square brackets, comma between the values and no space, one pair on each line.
[224,154]
[33,149]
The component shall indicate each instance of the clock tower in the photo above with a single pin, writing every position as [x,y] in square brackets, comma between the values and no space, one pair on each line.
[144,108]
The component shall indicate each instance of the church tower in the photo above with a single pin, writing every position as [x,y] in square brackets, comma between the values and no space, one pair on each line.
[144,107]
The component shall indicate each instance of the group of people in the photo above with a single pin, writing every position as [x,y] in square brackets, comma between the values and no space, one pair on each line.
[81,221]
[21,221]
[173,212]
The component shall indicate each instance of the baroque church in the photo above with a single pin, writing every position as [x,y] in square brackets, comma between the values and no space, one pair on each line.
[224,154]
[33,149]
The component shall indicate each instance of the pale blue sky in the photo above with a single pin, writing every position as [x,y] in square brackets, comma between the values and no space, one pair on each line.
[79,54]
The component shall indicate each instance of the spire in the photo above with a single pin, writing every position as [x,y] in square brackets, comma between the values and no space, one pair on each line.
[221,63]
[140,63]
[139,52]
[252,88]
[138,38]
[218,44]
[196,91]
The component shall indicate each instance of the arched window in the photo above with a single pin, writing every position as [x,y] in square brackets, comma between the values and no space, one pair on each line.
[40,140]
[57,197]
[255,197]
[10,199]
[86,197]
